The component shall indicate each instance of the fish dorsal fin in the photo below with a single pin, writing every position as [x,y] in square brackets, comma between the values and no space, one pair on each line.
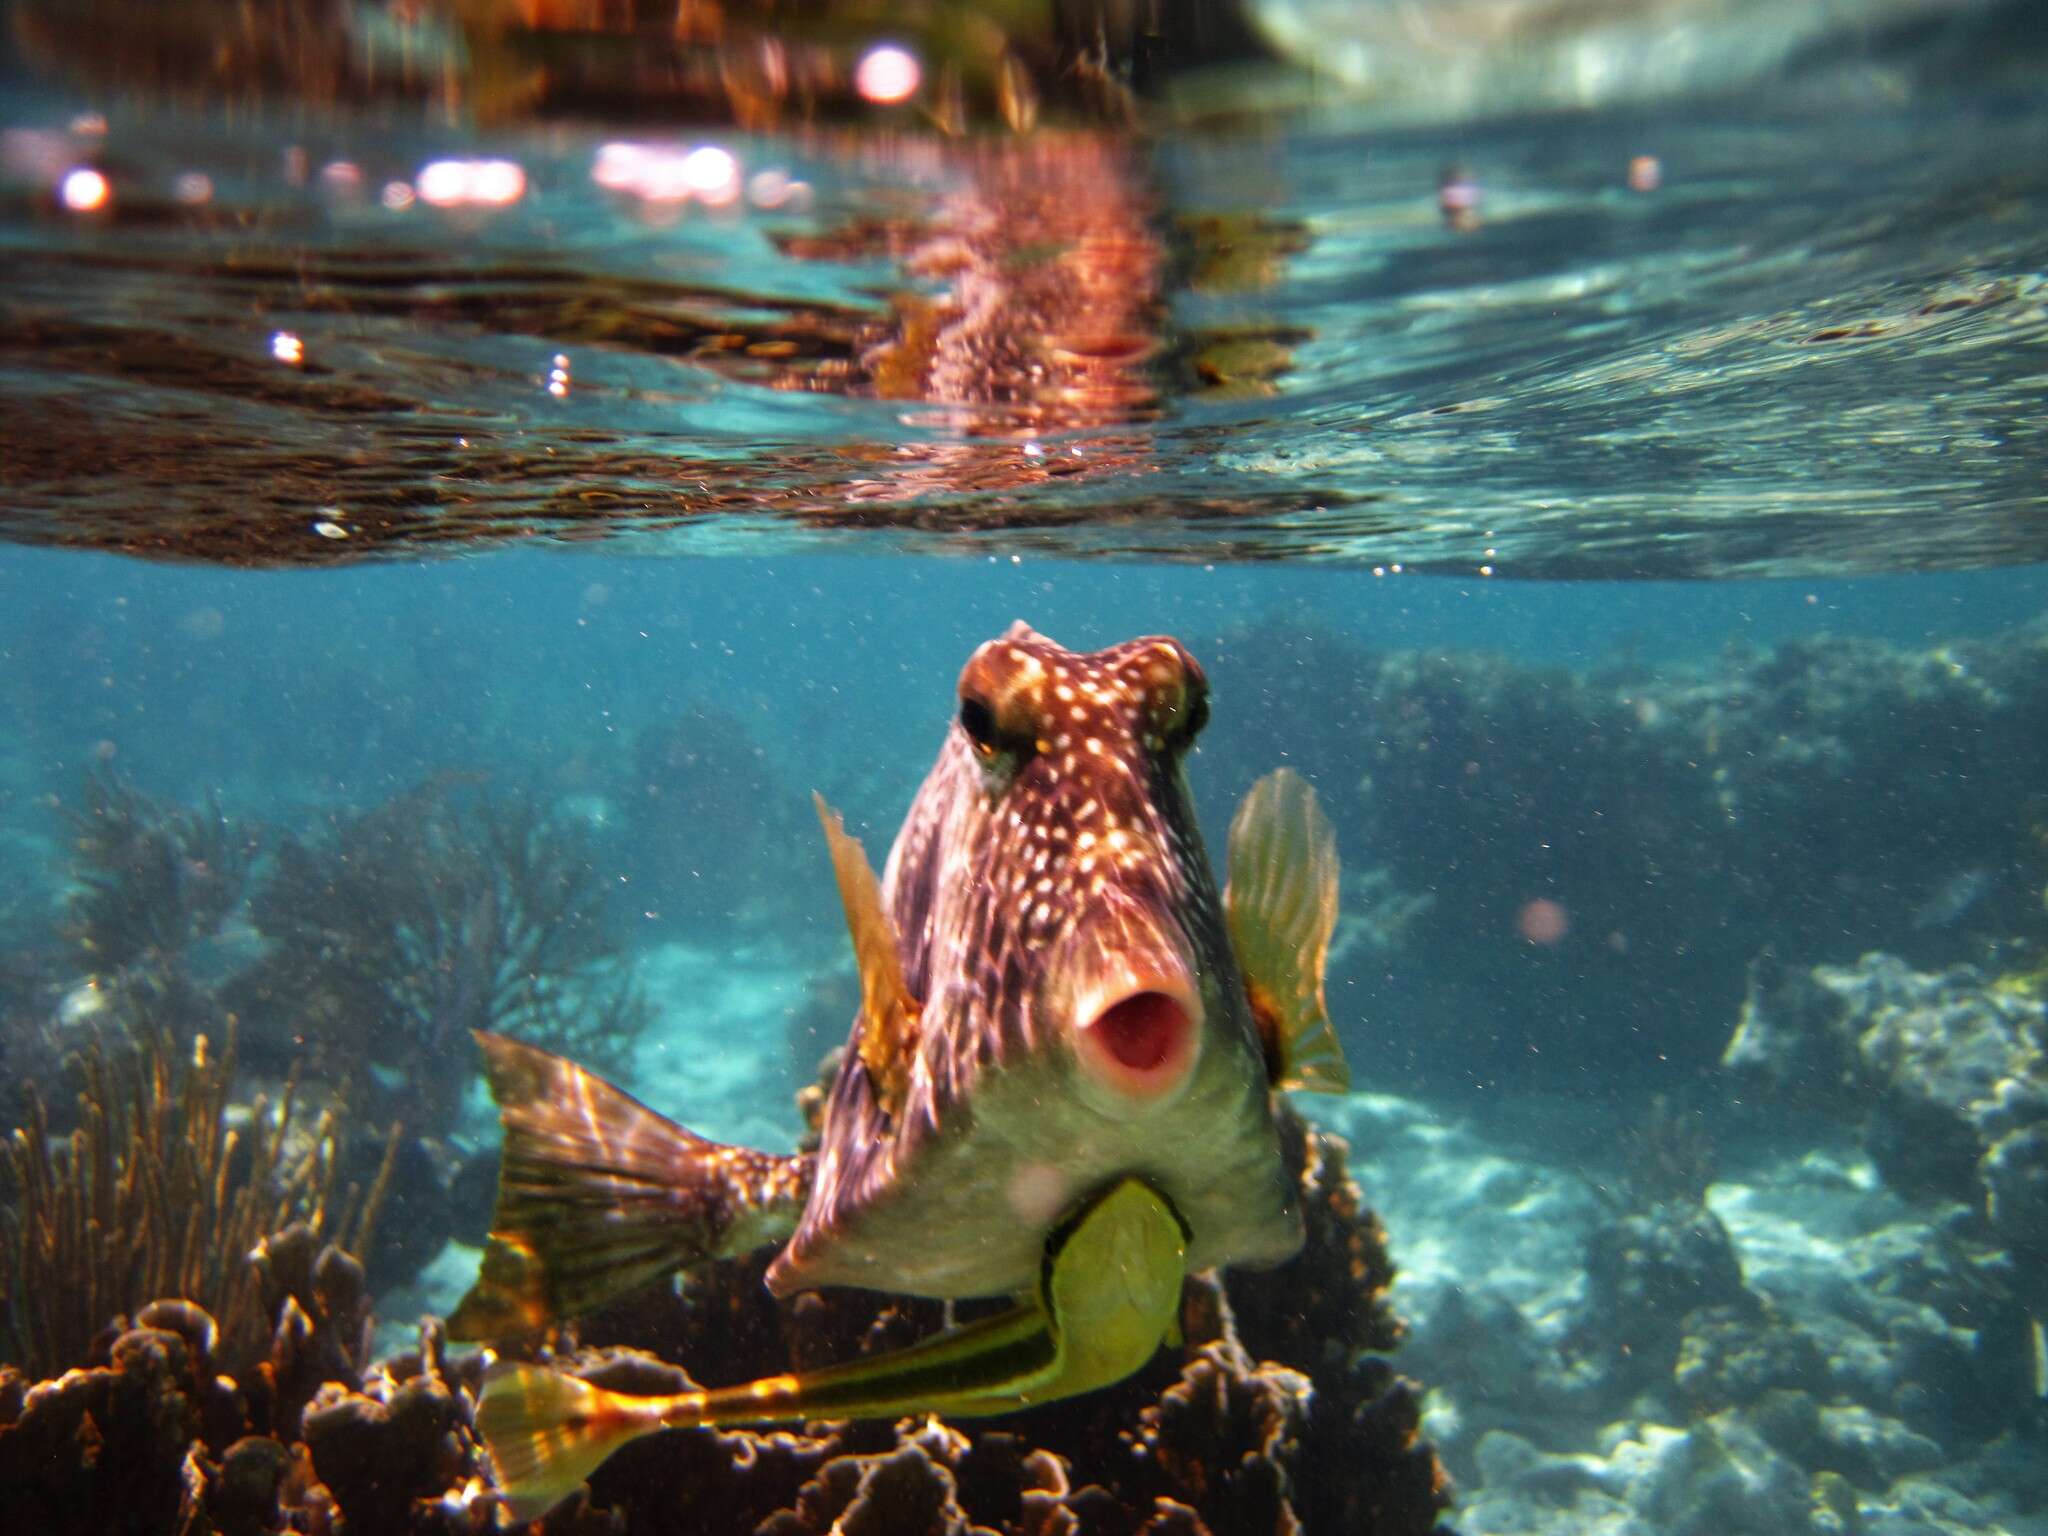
[888,1013]
[1281,904]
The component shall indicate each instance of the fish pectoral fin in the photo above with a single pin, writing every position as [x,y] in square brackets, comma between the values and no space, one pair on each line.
[888,1033]
[1280,901]
[598,1194]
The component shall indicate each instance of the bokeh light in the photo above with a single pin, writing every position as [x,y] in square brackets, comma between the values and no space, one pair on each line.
[887,74]
[470,183]
[84,190]
[1543,921]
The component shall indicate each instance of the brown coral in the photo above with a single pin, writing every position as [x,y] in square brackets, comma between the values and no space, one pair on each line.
[155,1194]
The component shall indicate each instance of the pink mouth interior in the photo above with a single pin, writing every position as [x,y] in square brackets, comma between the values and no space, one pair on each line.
[1143,1041]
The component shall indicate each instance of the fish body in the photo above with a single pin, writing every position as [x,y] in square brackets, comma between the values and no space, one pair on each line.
[1048,875]
[1059,1086]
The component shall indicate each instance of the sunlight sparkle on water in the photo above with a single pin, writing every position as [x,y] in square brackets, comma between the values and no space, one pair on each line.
[84,190]
[887,74]
[476,183]
[659,173]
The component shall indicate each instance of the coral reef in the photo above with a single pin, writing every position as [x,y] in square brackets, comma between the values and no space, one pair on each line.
[156,1433]
[1601,849]
[160,1191]
[404,927]
[1944,1074]
[1224,1439]
[152,879]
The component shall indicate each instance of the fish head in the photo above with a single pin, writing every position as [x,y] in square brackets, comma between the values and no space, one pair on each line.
[1071,904]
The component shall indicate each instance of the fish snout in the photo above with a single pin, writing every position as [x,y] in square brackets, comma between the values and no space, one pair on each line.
[1136,1020]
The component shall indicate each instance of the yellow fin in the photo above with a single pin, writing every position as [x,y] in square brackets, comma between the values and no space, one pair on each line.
[548,1431]
[1108,1298]
[1281,904]
[888,1013]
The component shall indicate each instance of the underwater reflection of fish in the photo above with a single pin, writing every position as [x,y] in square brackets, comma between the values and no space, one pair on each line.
[1059,1087]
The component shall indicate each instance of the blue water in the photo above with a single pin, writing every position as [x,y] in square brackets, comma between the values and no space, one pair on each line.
[1646,577]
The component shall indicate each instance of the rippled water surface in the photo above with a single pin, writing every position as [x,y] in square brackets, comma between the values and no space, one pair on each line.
[1757,336]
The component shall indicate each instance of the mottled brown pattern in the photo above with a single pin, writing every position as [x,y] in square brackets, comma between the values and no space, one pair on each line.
[1050,861]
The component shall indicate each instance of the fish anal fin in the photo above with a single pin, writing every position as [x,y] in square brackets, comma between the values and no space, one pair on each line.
[888,1033]
[1280,901]
[598,1194]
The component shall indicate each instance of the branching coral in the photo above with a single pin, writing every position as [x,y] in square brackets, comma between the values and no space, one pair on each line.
[407,926]
[151,878]
[156,1193]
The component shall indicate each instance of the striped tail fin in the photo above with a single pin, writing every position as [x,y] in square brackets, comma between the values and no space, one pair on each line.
[547,1432]
[598,1194]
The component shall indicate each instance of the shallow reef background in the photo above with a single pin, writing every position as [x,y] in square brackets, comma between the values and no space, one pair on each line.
[1691,973]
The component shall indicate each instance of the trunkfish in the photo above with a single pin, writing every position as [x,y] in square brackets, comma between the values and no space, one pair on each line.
[1059,1087]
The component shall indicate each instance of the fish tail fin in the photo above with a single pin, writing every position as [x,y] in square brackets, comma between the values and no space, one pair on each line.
[547,1431]
[598,1194]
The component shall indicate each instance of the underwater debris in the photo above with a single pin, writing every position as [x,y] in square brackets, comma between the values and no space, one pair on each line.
[405,927]
[152,878]
[157,1193]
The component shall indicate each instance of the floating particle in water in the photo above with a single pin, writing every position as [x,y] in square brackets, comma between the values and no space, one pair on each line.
[84,190]
[1543,921]
[327,528]
[287,348]
[887,74]
[89,125]
[1645,173]
[84,1002]
[1457,198]
[193,188]
[204,623]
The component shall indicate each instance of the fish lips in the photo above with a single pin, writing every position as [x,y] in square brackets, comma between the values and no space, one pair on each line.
[1135,1020]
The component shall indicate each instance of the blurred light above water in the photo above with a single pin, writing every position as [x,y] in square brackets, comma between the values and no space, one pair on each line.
[287,348]
[657,173]
[84,190]
[887,74]
[193,188]
[470,183]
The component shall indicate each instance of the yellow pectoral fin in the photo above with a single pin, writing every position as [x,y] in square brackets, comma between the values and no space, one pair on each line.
[888,1013]
[1281,905]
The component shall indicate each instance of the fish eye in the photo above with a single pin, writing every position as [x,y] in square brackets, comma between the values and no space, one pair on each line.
[979,722]
[1195,713]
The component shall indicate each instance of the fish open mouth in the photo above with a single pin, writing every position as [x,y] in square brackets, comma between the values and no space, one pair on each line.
[1141,1044]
